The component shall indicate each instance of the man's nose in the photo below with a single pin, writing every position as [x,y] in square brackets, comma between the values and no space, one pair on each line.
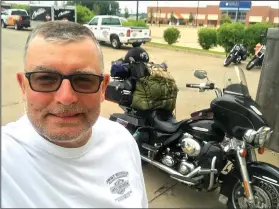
[66,95]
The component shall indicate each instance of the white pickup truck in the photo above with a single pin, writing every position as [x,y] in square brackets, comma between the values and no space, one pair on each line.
[109,29]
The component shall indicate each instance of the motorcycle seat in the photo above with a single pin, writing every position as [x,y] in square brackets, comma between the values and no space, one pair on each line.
[164,121]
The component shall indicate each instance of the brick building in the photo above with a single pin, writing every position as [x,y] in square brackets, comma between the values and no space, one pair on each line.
[211,14]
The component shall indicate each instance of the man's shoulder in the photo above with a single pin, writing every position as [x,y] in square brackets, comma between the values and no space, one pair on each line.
[113,129]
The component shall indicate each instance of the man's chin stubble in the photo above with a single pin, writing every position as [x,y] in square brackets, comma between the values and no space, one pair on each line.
[67,141]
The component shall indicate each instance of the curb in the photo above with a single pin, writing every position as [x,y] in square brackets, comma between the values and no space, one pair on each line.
[186,50]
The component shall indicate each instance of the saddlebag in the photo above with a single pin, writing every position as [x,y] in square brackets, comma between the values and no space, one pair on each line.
[120,92]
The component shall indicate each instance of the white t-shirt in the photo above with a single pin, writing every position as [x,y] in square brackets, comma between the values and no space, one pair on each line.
[106,172]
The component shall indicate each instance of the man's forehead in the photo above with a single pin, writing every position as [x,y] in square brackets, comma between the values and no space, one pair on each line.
[40,39]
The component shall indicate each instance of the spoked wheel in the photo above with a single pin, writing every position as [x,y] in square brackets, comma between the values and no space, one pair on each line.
[265,194]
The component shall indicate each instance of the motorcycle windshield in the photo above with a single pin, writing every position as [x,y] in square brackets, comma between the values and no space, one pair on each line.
[235,82]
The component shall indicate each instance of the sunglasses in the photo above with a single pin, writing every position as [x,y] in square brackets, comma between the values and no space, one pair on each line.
[51,81]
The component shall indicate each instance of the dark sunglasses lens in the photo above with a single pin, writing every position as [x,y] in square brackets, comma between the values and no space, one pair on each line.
[86,83]
[45,82]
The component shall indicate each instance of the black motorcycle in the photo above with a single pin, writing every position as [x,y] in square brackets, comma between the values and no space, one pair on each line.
[237,54]
[215,148]
[258,58]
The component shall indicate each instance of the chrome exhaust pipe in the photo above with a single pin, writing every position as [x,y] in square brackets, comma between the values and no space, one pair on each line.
[167,170]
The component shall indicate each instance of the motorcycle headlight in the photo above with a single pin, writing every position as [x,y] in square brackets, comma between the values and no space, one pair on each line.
[258,138]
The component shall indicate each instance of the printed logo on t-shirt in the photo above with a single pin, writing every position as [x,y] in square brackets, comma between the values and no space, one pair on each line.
[119,185]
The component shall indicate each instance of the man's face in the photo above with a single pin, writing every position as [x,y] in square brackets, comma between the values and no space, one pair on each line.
[63,115]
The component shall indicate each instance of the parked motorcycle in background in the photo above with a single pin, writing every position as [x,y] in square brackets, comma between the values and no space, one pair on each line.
[215,148]
[237,54]
[257,60]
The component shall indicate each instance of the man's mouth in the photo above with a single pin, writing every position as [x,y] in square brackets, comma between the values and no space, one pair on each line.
[66,115]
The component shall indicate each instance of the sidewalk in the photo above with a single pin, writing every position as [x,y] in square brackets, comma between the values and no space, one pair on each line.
[185,44]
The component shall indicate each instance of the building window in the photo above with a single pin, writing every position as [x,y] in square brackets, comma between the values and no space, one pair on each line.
[232,15]
[242,16]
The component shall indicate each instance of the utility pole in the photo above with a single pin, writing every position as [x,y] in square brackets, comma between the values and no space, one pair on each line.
[267,94]
[237,11]
[157,13]
[137,10]
[159,16]
[197,13]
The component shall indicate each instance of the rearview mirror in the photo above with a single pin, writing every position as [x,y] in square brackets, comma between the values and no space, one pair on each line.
[201,74]
[164,65]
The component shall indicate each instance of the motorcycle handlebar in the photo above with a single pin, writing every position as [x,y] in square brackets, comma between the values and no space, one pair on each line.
[210,86]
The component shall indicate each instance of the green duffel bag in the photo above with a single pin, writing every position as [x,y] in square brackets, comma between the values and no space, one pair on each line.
[156,91]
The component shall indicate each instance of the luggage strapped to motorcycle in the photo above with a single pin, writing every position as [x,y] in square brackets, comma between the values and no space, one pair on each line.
[155,89]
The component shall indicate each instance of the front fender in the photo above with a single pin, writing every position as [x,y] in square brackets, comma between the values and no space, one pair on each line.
[265,172]
[258,170]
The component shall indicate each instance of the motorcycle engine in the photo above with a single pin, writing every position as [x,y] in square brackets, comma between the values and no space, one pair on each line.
[190,146]
[168,161]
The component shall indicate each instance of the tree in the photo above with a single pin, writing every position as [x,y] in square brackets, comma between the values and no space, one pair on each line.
[105,7]
[191,18]
[96,9]
[172,17]
[21,6]
[126,14]
[225,18]
[83,14]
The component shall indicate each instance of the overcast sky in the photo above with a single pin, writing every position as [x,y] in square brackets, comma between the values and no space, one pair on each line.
[132,5]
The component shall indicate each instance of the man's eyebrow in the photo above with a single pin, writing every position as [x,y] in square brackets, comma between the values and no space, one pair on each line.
[89,71]
[75,71]
[45,69]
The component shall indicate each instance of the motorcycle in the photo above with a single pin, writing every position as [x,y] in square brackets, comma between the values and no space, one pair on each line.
[214,148]
[237,54]
[258,58]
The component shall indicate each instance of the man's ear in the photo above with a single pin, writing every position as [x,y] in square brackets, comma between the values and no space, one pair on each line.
[104,86]
[21,82]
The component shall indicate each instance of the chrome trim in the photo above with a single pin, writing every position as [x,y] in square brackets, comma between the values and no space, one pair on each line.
[166,169]
[245,175]
[185,182]
[253,155]
[266,181]
[213,162]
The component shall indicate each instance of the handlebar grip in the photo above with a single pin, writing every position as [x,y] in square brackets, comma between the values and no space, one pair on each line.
[192,85]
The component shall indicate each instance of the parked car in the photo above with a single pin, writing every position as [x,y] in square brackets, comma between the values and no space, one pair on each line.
[18,18]
[110,29]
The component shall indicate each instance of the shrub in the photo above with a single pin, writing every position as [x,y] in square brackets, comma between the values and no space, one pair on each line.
[83,14]
[253,35]
[207,38]
[229,34]
[171,35]
[21,6]
[225,18]
[135,23]
[200,24]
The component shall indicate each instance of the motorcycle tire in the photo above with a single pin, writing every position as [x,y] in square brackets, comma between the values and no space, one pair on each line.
[252,63]
[264,194]
[228,60]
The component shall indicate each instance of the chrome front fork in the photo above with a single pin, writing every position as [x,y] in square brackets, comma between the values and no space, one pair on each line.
[245,176]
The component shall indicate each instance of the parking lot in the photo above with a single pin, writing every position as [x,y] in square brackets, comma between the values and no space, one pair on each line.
[162,192]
